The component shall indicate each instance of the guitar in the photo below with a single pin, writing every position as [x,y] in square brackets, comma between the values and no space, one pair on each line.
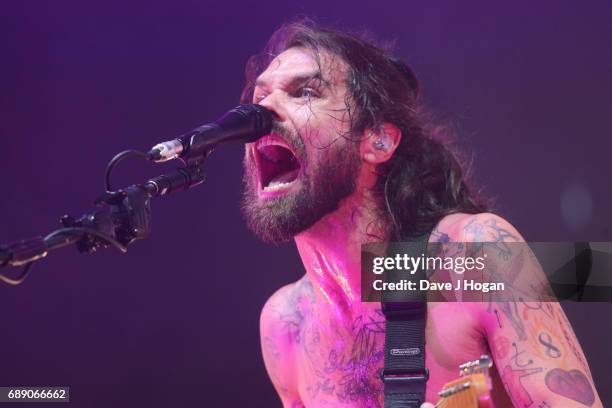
[471,390]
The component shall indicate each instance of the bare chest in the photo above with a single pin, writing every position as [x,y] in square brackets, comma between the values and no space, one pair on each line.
[339,358]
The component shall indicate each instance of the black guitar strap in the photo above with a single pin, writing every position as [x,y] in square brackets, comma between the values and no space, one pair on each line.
[405,375]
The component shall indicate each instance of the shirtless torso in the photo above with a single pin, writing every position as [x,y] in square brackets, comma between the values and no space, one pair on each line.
[322,351]
[338,358]
[321,345]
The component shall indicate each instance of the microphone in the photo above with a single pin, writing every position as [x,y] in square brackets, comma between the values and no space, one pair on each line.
[245,123]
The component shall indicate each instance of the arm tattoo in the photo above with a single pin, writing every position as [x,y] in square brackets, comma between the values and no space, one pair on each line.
[572,384]
[513,380]
[490,232]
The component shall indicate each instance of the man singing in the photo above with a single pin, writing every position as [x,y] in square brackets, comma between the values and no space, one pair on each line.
[349,161]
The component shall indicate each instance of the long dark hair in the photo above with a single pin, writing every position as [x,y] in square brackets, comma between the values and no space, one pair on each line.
[423,181]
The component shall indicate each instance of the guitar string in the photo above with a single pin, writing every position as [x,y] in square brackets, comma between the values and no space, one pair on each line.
[463,398]
[441,403]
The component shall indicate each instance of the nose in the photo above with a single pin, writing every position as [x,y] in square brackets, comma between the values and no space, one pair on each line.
[273,103]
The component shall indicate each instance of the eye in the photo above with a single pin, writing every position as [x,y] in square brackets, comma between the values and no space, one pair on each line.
[307,93]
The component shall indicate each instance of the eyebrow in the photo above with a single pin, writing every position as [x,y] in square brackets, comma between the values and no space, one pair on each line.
[300,79]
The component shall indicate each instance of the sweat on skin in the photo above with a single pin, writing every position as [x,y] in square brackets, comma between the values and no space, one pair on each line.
[321,344]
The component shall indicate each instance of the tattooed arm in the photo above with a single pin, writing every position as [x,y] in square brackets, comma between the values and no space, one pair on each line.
[279,328]
[533,345]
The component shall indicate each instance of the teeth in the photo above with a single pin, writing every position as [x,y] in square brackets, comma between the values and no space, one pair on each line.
[267,141]
[275,186]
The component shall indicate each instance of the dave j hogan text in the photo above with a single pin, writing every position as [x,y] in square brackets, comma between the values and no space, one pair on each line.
[463,285]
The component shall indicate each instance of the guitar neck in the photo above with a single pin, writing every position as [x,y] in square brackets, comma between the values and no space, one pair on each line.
[471,390]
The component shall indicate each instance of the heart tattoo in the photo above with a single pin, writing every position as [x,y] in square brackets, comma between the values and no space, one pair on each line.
[571,384]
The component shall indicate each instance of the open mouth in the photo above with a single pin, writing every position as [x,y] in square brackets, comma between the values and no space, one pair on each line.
[278,166]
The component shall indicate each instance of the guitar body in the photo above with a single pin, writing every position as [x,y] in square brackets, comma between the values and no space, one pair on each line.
[471,390]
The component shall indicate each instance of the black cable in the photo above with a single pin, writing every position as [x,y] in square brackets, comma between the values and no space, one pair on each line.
[115,160]
[5,257]
[25,271]
[83,230]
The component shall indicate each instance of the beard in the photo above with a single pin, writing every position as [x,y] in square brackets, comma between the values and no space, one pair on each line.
[322,186]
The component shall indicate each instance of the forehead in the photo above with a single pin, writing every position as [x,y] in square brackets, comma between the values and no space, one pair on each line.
[301,62]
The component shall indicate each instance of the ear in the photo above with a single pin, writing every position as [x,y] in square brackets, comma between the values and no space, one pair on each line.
[379,145]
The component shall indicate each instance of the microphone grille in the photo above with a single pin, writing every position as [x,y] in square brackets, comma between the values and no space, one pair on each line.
[259,117]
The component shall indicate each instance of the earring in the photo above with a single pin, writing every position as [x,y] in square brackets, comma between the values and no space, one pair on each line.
[379,144]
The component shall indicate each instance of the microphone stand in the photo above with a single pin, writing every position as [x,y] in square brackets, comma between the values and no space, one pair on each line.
[120,218]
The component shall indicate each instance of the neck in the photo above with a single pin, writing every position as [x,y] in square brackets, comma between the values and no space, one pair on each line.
[330,249]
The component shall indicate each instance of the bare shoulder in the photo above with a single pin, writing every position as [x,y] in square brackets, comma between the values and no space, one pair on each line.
[281,314]
[482,227]
[280,327]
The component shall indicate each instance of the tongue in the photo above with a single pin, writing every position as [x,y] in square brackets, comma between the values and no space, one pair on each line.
[285,177]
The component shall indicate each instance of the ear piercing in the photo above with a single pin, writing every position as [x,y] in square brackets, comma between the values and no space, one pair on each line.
[379,144]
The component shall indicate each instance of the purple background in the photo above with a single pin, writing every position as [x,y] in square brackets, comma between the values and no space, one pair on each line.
[175,321]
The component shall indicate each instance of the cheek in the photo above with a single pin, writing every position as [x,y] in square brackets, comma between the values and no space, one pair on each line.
[319,125]
[319,135]
[330,127]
